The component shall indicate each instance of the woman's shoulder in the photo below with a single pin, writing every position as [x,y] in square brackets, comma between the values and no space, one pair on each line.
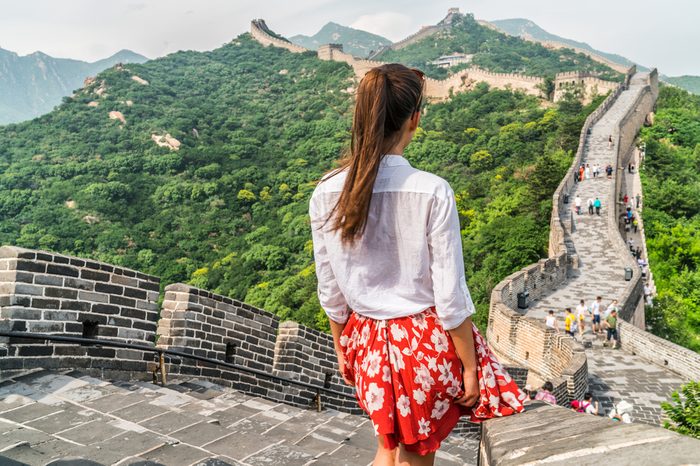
[430,183]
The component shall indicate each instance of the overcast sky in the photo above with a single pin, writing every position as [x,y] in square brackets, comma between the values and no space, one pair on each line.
[661,33]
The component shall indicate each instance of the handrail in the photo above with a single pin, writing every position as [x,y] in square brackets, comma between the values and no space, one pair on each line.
[162,351]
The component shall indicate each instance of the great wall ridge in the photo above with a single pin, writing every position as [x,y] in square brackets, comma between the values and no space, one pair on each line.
[437,89]
[587,257]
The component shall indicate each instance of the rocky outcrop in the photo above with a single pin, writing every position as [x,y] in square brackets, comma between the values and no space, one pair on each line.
[166,140]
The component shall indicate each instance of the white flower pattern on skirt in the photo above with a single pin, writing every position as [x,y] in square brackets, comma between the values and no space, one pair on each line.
[407,374]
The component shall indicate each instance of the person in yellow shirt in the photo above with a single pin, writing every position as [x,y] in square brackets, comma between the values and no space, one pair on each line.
[570,323]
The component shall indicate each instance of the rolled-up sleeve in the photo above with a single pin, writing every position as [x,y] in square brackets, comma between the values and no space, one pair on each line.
[453,302]
[329,295]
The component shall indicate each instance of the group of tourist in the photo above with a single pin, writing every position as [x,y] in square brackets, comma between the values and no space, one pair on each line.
[602,320]
[619,412]
[593,204]
[586,172]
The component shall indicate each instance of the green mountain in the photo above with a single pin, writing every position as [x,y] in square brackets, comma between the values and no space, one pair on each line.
[198,167]
[492,50]
[356,42]
[689,83]
[526,29]
[34,84]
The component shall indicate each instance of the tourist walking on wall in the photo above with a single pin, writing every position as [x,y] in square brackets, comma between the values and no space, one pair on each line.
[597,204]
[580,172]
[596,309]
[577,202]
[590,205]
[635,224]
[551,321]
[545,394]
[611,327]
[611,307]
[570,326]
[402,327]
[596,170]
[609,171]
[581,311]
[638,198]
[587,171]
[610,142]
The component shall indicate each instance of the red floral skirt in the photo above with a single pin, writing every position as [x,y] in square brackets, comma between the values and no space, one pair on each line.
[407,376]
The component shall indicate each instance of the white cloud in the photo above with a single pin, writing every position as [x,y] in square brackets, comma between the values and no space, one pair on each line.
[389,24]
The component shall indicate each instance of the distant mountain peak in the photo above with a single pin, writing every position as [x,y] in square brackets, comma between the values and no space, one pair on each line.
[355,41]
[33,84]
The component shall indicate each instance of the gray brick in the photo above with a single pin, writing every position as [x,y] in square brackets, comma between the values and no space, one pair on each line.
[25,289]
[93,297]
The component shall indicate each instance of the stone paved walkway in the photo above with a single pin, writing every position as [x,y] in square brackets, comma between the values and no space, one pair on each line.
[46,416]
[613,374]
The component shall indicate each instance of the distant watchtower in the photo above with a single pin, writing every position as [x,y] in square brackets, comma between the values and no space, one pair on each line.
[326,52]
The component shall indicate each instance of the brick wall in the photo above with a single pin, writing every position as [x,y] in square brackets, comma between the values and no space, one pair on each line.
[202,323]
[659,351]
[51,293]
[307,355]
[546,355]
[626,136]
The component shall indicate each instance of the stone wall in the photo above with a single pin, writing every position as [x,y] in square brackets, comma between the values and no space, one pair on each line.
[558,229]
[526,341]
[625,144]
[261,33]
[659,351]
[589,84]
[548,356]
[436,90]
[553,434]
[51,293]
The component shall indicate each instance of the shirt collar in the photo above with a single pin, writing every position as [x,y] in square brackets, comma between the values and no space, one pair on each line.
[393,160]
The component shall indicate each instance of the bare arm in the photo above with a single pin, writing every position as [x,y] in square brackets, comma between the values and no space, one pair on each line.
[336,331]
[463,340]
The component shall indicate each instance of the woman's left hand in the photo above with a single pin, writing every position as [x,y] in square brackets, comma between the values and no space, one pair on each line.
[471,391]
[341,368]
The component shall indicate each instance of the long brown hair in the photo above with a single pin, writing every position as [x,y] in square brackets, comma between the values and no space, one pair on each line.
[388,95]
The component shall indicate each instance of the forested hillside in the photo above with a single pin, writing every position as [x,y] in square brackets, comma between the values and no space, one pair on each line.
[257,126]
[671,181]
[493,51]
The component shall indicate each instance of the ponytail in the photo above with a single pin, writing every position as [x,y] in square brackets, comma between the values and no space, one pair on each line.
[388,95]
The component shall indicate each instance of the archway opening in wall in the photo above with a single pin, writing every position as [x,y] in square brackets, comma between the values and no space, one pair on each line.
[230,352]
[90,329]
[327,380]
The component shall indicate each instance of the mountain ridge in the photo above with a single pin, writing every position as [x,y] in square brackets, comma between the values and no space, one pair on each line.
[33,84]
[355,41]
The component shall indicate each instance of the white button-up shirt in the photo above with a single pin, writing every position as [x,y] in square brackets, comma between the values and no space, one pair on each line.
[409,257]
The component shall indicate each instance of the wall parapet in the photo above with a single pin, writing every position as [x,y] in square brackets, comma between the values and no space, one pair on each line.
[44,292]
[578,439]
[663,353]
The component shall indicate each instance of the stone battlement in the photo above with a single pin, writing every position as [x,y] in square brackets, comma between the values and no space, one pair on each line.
[438,90]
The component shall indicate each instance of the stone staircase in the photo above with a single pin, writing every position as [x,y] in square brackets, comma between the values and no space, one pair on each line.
[68,417]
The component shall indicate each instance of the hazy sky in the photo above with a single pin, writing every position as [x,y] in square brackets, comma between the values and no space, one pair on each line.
[661,33]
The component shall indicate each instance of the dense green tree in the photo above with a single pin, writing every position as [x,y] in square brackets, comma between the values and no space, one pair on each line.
[672,216]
